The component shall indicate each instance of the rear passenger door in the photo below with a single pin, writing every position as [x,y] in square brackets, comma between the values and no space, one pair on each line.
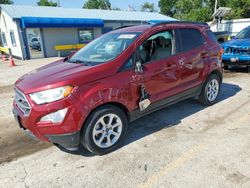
[193,54]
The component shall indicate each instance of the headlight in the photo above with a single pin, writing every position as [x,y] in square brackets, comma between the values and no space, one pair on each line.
[51,95]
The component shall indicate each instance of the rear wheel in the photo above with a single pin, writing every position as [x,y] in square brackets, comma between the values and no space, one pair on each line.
[104,130]
[210,90]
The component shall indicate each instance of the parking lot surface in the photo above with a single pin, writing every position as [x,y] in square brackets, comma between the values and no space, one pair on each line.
[184,145]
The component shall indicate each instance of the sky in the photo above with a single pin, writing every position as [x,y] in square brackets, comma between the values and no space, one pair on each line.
[122,4]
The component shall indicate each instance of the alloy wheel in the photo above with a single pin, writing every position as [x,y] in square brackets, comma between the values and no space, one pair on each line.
[107,130]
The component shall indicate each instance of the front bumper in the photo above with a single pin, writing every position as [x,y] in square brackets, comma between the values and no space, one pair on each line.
[235,60]
[69,141]
[65,134]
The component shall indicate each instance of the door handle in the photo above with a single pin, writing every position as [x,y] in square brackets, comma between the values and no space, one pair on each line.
[168,65]
[203,54]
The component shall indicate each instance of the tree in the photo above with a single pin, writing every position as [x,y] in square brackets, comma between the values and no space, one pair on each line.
[168,7]
[97,4]
[6,2]
[195,10]
[202,10]
[240,9]
[46,3]
[148,7]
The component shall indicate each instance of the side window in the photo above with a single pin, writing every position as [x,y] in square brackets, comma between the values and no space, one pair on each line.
[190,38]
[158,46]
[4,41]
[127,65]
[211,36]
[12,37]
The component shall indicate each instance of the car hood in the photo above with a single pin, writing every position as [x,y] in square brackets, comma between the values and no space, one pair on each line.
[58,74]
[237,42]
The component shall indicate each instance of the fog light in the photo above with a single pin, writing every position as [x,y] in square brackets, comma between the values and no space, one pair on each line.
[55,117]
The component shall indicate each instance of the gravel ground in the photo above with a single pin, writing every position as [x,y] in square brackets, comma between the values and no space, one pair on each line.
[184,145]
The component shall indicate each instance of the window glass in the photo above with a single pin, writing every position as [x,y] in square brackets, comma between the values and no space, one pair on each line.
[211,36]
[1,41]
[85,35]
[105,48]
[244,34]
[12,37]
[156,47]
[190,38]
[4,41]
[128,64]
[34,40]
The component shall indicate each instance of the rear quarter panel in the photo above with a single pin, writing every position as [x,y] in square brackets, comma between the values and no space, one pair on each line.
[214,61]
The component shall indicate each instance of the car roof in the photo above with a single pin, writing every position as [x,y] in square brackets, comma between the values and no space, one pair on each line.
[144,27]
[137,28]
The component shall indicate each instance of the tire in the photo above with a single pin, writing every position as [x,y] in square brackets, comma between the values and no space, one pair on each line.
[248,69]
[212,86]
[226,67]
[100,136]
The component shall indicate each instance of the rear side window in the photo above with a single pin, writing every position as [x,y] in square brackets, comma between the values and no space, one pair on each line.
[190,38]
[211,36]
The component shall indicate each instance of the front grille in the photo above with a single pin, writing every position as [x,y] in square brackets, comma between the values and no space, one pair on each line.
[237,50]
[21,102]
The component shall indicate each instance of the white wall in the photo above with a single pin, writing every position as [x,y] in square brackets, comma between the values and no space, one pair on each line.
[6,25]
[115,25]
[97,32]
[233,26]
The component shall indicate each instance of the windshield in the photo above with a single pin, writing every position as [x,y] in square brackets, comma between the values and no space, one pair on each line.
[104,48]
[244,34]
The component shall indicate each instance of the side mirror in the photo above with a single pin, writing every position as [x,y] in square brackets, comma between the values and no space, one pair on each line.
[66,59]
[138,67]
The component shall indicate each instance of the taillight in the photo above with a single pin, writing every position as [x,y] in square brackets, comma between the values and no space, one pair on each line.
[220,54]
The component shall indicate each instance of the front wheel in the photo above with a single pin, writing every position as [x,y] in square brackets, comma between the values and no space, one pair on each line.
[210,90]
[104,130]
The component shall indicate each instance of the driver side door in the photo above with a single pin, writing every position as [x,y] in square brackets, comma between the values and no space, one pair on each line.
[160,65]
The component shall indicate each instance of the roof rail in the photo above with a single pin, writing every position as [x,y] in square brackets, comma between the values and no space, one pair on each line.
[180,22]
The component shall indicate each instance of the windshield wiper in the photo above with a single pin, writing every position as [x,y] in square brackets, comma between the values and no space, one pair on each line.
[80,62]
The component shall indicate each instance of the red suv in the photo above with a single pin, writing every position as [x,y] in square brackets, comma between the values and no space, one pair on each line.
[90,97]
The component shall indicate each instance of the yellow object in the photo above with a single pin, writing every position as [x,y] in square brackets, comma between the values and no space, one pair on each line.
[69,47]
[3,49]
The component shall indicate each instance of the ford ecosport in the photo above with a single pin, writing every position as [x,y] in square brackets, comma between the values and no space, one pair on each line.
[90,97]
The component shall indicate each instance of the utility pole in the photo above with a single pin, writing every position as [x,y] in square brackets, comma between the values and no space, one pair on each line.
[215,5]
[216,18]
[58,3]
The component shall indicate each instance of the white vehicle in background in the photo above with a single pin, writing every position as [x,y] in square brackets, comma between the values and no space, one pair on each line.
[35,43]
